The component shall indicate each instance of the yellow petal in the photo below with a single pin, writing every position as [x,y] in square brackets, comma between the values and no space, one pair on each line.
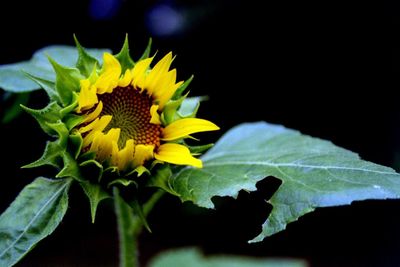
[139,72]
[155,117]
[114,153]
[109,76]
[142,153]
[166,87]
[126,79]
[87,96]
[125,155]
[157,73]
[95,114]
[177,154]
[184,127]
[103,143]
[97,125]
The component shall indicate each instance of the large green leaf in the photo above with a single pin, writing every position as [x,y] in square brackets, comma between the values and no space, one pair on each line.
[191,257]
[12,77]
[33,215]
[314,173]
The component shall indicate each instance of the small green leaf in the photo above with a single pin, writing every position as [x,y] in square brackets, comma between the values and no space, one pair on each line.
[126,231]
[52,156]
[124,57]
[146,52]
[85,62]
[182,88]
[61,129]
[48,86]
[71,167]
[13,79]
[314,173]
[121,181]
[49,114]
[191,257]
[67,81]
[75,143]
[199,149]
[95,194]
[34,214]
[91,170]
[169,111]
[161,179]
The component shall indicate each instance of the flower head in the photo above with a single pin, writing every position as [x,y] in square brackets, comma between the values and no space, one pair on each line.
[120,115]
[123,115]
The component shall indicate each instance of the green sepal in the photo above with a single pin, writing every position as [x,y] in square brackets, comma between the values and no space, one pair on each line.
[122,181]
[70,169]
[48,86]
[52,156]
[61,129]
[89,155]
[124,57]
[138,211]
[95,194]
[146,52]
[70,107]
[197,150]
[71,121]
[85,62]
[169,111]
[75,142]
[178,93]
[67,81]
[190,106]
[50,113]
[139,171]
[91,170]
[161,179]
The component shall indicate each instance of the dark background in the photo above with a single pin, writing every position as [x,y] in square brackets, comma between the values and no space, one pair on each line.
[327,69]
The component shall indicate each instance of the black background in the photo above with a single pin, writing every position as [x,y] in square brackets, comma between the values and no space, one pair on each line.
[327,69]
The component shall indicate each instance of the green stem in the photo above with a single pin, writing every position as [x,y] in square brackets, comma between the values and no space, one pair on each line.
[129,227]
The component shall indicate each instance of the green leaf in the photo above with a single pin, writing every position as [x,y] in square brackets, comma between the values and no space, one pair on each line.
[52,156]
[48,86]
[49,114]
[71,167]
[146,52]
[85,62]
[124,57]
[191,257]
[126,231]
[13,79]
[314,173]
[95,194]
[67,81]
[34,214]
[169,111]
[182,88]
[161,179]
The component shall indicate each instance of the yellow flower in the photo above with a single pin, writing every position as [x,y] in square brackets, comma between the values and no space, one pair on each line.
[122,115]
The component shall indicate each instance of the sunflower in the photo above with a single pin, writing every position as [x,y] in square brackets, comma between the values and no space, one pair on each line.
[124,115]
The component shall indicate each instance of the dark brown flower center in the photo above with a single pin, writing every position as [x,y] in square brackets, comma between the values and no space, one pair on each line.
[130,110]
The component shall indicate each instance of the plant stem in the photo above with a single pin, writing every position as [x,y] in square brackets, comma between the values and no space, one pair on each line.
[129,227]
